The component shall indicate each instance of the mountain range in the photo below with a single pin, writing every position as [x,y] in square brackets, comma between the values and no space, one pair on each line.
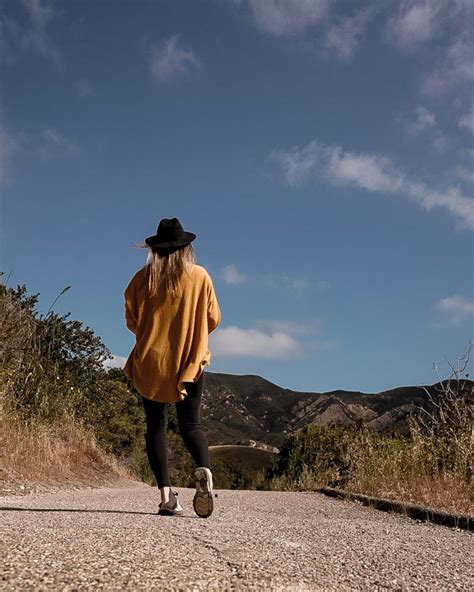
[250,410]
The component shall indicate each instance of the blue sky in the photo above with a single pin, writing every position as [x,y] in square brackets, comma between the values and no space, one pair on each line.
[321,151]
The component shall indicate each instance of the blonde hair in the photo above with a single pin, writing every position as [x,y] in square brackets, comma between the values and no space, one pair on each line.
[167,265]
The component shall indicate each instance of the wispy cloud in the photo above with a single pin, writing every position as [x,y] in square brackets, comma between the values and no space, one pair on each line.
[232,276]
[445,26]
[410,25]
[31,35]
[467,120]
[37,37]
[52,138]
[424,123]
[423,120]
[368,171]
[284,18]
[171,60]
[455,69]
[372,172]
[456,308]
[415,22]
[47,143]
[234,341]
[466,175]
[289,327]
[271,340]
[282,279]
[343,37]
[315,24]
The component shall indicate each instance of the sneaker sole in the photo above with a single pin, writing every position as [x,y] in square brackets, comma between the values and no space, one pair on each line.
[176,511]
[203,502]
[164,512]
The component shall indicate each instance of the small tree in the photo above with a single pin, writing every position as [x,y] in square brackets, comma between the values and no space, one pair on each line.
[49,365]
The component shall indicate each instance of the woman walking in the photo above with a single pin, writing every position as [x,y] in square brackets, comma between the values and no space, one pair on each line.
[171,307]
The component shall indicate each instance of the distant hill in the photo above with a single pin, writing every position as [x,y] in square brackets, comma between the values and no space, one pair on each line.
[239,408]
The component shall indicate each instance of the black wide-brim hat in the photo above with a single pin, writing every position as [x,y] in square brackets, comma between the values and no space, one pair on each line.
[170,233]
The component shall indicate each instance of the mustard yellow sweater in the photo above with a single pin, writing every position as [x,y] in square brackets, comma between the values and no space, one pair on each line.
[171,334]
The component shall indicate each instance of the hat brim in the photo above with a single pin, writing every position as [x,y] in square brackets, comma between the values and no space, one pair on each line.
[188,237]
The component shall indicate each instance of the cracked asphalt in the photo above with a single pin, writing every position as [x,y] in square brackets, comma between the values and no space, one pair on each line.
[112,539]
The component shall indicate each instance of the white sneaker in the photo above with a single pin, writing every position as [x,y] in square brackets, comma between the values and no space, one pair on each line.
[172,507]
[203,502]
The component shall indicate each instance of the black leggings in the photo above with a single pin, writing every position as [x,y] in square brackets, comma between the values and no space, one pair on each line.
[190,428]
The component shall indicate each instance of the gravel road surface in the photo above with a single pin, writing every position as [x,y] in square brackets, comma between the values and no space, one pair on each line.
[112,539]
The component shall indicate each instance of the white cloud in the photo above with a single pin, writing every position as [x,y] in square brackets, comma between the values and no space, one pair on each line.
[466,175]
[289,327]
[424,120]
[416,21]
[451,198]
[467,120]
[232,276]
[457,308]
[37,37]
[445,27]
[455,68]
[171,60]
[344,36]
[338,34]
[115,362]
[287,17]
[282,279]
[298,163]
[234,341]
[30,35]
[368,171]
[47,143]
[372,172]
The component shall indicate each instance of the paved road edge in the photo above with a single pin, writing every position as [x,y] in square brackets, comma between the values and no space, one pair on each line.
[464,522]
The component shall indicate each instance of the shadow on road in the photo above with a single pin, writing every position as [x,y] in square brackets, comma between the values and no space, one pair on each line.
[16,509]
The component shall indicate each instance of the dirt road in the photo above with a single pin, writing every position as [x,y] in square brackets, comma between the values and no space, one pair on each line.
[112,539]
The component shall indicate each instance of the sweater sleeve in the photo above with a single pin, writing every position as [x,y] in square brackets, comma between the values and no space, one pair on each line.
[130,321]
[213,309]
[130,309]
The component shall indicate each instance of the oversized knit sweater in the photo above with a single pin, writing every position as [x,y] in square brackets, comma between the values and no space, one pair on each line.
[171,334]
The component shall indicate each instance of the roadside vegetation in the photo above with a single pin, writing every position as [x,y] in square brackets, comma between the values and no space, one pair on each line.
[431,465]
[65,419]
[52,392]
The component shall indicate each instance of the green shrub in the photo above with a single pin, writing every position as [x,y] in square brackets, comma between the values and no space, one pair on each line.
[439,445]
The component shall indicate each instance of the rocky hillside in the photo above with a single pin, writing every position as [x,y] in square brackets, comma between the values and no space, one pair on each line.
[239,408]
